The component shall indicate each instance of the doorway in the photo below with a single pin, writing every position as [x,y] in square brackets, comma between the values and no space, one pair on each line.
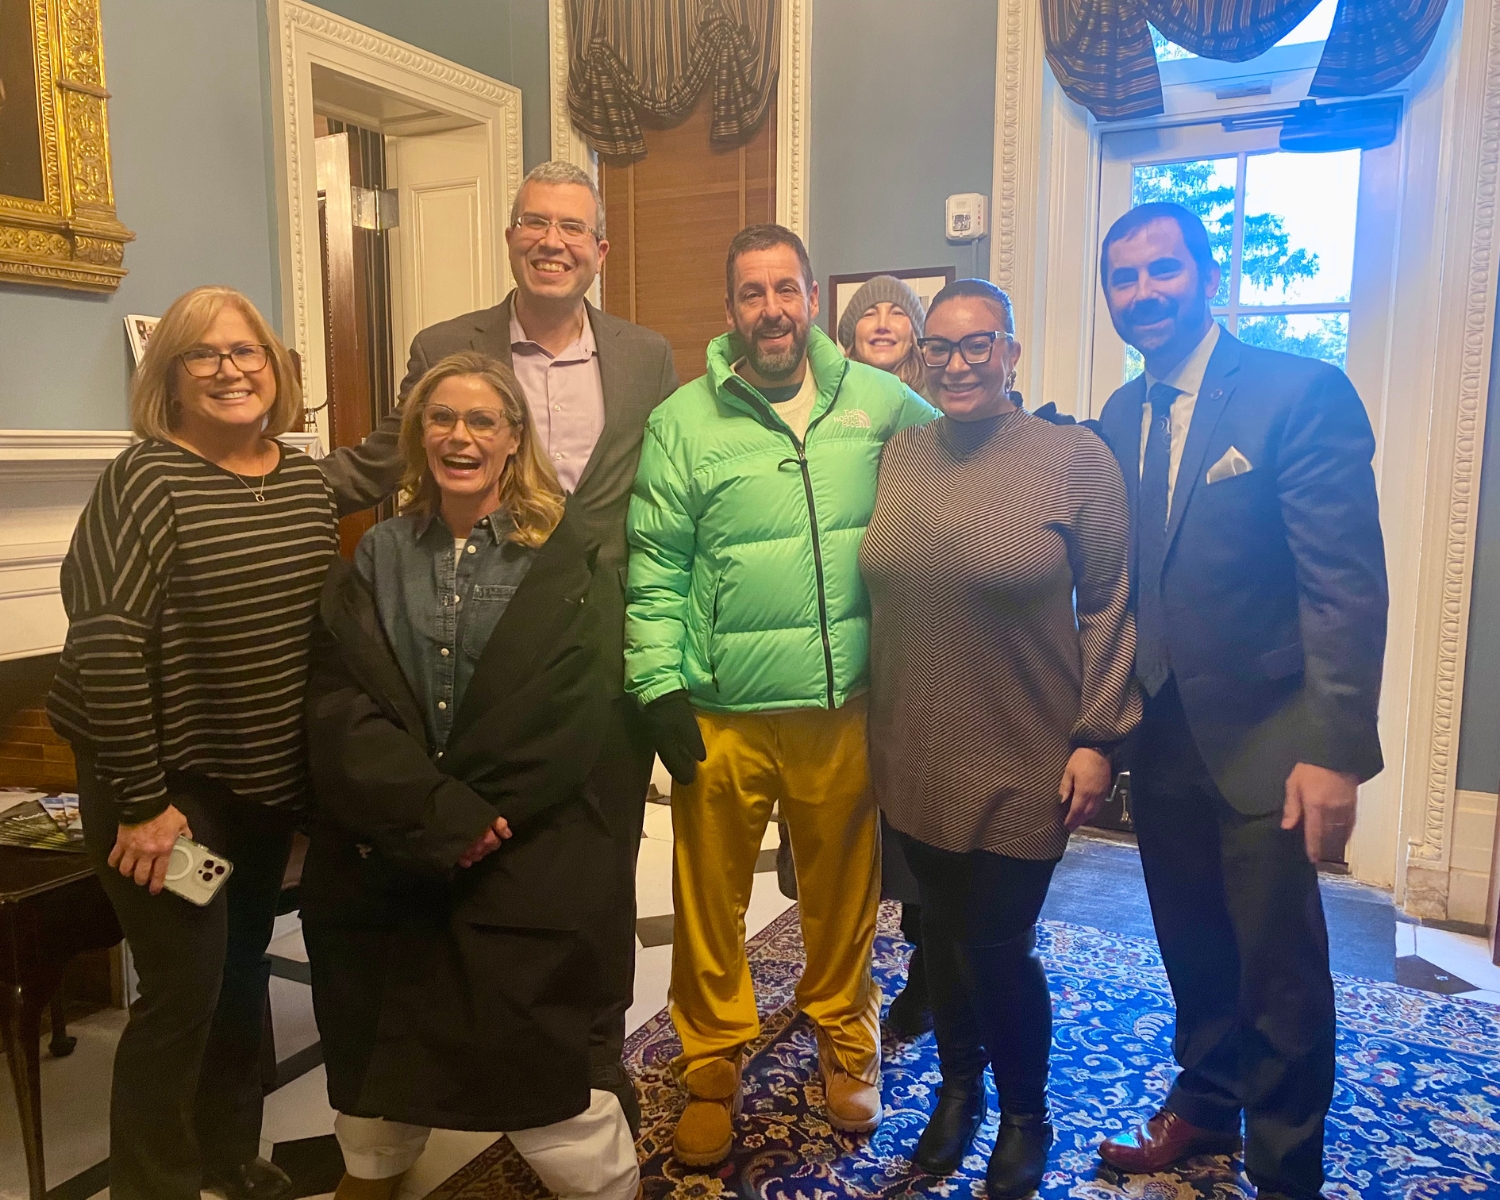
[447,145]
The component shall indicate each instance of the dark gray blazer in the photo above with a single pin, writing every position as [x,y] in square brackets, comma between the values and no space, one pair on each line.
[1274,582]
[636,368]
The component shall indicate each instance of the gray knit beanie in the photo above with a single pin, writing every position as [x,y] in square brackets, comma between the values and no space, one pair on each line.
[881,288]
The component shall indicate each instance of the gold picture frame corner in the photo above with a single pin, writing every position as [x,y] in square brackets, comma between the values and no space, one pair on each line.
[58,226]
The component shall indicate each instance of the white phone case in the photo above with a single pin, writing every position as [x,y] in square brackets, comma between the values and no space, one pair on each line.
[196,873]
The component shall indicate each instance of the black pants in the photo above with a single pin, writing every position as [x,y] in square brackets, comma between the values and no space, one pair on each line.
[617,785]
[990,1002]
[1240,923]
[186,1098]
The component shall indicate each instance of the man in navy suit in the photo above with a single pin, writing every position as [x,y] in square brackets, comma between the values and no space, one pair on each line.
[1258,573]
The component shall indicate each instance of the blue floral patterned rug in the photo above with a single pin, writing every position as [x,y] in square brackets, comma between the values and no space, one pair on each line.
[1416,1114]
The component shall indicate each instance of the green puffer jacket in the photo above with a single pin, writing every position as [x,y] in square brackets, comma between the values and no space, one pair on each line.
[744,583]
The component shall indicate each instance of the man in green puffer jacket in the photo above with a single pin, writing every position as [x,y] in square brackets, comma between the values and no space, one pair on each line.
[747,632]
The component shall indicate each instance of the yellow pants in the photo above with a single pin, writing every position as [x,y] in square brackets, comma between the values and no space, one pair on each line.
[814,762]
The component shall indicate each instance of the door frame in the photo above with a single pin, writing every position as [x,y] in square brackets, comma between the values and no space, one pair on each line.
[1427,404]
[793,117]
[303,36]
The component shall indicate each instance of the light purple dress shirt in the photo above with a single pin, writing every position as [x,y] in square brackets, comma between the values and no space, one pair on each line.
[566,395]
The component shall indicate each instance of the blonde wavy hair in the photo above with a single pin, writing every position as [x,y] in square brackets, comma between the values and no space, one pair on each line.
[529,490]
[153,391]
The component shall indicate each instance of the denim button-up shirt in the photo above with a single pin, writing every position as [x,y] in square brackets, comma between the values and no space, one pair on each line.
[439,606]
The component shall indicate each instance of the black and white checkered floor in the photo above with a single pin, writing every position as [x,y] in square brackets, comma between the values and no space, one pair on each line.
[298,1122]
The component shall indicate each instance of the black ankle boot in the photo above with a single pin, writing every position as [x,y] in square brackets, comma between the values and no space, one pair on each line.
[1020,1157]
[257,1179]
[910,1013]
[951,1128]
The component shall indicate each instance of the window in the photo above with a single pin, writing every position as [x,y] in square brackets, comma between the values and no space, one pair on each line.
[1282,228]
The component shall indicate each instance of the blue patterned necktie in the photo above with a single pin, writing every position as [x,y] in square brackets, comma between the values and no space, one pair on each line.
[1152,661]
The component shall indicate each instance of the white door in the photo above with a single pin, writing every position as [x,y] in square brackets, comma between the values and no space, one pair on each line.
[1284,228]
[445,262]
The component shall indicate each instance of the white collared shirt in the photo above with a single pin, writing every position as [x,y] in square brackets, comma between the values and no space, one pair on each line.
[1187,378]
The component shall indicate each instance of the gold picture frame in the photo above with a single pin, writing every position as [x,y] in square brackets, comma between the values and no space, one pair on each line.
[57,203]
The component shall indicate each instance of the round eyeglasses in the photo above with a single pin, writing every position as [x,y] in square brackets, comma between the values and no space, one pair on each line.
[483,424]
[974,348]
[202,362]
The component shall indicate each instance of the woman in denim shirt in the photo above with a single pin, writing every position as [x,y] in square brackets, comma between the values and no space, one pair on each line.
[454,712]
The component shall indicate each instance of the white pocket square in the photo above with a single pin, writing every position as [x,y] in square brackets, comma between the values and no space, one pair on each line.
[1233,463]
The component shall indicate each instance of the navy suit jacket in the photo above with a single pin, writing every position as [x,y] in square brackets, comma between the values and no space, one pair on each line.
[1274,581]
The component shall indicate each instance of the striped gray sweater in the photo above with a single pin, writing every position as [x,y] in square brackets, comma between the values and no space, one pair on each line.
[190,604]
[1000,631]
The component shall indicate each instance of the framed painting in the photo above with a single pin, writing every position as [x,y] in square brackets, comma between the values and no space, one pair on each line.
[927,282]
[57,204]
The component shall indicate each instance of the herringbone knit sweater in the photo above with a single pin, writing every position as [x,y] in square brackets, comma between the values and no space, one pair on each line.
[985,674]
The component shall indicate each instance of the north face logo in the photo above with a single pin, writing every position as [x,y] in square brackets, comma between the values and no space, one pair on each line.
[854,418]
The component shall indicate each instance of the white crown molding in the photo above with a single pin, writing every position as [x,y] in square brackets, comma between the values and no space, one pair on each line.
[794,115]
[302,36]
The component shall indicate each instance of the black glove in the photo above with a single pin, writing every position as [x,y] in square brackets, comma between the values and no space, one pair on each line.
[674,733]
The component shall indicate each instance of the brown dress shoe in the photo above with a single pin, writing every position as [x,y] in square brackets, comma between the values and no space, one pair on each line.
[1164,1140]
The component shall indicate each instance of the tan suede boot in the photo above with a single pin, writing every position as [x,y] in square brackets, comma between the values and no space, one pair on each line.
[850,1104]
[353,1188]
[705,1132]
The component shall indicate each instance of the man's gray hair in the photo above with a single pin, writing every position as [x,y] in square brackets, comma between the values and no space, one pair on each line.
[557,171]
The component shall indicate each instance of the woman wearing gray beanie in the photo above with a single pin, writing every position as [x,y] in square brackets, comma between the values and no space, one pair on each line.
[881,325]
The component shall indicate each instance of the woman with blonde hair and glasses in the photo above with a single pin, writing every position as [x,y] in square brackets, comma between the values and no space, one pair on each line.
[191,586]
[455,709]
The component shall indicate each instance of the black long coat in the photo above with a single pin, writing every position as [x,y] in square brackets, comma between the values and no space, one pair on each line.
[459,998]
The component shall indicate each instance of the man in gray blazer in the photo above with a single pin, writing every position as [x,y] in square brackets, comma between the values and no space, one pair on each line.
[590,380]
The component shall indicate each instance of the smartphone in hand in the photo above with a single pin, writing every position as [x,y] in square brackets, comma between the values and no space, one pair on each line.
[196,873]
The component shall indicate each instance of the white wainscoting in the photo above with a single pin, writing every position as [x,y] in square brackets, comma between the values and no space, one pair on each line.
[46,477]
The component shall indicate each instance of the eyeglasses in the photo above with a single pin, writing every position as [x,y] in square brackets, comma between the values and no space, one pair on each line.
[482,423]
[537,225]
[202,362]
[975,348]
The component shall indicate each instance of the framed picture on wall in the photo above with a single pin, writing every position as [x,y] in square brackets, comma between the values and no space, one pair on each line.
[927,282]
[138,330]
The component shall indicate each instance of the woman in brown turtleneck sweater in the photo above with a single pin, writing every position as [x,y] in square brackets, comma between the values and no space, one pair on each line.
[1001,681]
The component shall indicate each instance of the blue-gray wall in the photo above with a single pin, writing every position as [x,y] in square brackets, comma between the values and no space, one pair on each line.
[903,103]
[188,141]
[1479,728]
[194,166]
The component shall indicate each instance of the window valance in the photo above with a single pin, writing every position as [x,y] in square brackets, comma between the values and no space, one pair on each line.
[629,58]
[1101,51]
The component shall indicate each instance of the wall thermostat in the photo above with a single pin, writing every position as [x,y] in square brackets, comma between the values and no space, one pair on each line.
[967,217]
